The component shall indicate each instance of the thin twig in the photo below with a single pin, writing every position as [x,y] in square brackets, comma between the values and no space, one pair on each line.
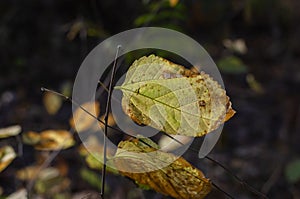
[108,102]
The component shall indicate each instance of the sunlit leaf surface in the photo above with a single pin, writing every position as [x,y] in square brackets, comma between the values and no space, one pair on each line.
[173,99]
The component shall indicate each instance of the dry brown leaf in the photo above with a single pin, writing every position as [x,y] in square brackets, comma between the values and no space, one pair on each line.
[52,102]
[83,120]
[10,131]
[179,180]
[7,155]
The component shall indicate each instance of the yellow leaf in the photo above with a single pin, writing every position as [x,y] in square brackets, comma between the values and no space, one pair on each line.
[7,155]
[173,99]
[83,120]
[49,139]
[179,180]
[173,3]
[10,131]
[92,150]
[28,173]
[31,137]
[55,140]
[52,102]
[20,194]
[111,121]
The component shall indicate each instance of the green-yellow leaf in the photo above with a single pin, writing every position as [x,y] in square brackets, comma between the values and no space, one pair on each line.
[173,99]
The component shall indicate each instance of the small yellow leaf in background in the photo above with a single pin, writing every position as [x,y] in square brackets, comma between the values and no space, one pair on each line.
[254,84]
[28,173]
[173,99]
[92,150]
[179,180]
[31,137]
[55,140]
[49,139]
[237,45]
[173,3]
[20,194]
[52,102]
[7,155]
[111,121]
[50,180]
[83,120]
[10,131]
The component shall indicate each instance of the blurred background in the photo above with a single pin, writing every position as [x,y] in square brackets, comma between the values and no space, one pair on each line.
[253,42]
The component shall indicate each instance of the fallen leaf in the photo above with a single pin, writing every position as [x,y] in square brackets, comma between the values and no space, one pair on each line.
[92,150]
[83,120]
[52,102]
[10,131]
[51,183]
[31,137]
[35,171]
[55,140]
[7,155]
[20,194]
[237,45]
[179,179]
[173,99]
[49,139]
